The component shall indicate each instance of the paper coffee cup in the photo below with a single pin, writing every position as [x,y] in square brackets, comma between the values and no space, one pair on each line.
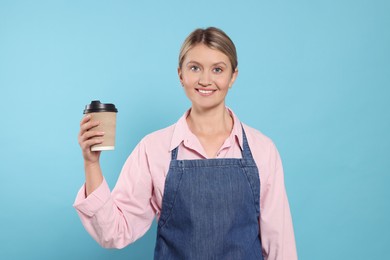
[106,115]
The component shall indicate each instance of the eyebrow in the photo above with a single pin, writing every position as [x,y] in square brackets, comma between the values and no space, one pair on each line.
[217,63]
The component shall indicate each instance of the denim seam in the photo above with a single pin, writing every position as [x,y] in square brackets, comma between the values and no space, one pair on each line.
[252,190]
[168,215]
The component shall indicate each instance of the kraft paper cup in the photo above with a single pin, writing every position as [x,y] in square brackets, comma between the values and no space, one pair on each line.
[106,114]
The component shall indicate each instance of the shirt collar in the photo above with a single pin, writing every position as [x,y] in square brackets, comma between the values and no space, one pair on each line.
[182,131]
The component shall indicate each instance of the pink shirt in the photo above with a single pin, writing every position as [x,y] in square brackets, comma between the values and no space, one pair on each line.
[119,218]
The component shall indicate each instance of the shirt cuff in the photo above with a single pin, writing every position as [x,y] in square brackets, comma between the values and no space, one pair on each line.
[95,201]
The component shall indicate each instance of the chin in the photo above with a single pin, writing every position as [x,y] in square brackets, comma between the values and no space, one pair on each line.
[208,106]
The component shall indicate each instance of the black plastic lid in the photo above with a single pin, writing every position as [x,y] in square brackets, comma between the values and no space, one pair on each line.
[96,106]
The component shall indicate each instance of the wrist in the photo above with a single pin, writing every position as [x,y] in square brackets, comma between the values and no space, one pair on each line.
[93,176]
[91,165]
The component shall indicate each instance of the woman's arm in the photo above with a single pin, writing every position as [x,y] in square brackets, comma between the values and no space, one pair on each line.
[114,219]
[276,224]
[88,138]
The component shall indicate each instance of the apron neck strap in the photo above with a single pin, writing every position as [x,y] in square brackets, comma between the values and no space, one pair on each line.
[174,153]
[246,151]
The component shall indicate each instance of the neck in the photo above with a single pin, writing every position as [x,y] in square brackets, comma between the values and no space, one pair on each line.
[210,122]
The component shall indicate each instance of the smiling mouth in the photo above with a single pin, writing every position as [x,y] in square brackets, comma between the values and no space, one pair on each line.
[205,92]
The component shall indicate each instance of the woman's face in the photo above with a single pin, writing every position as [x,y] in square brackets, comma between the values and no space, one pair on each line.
[206,75]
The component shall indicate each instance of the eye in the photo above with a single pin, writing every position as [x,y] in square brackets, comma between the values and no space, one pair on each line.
[218,70]
[194,68]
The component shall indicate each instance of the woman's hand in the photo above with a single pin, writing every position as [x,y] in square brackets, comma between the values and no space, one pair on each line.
[88,138]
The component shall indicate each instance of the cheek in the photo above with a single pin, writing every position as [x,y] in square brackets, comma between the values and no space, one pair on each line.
[223,82]
[190,80]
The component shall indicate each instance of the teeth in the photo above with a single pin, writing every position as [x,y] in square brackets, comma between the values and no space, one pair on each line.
[205,91]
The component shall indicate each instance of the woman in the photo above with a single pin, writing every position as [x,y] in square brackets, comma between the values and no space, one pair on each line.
[216,185]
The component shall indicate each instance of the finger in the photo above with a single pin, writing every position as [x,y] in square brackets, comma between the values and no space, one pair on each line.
[90,142]
[88,125]
[85,119]
[91,134]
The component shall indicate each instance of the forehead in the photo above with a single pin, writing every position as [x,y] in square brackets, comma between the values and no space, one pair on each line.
[204,54]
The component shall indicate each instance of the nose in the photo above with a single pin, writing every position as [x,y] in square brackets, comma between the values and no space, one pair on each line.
[205,79]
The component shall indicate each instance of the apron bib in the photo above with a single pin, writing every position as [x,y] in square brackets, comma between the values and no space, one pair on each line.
[210,209]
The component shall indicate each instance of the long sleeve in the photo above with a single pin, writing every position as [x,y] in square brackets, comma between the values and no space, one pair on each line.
[116,219]
[119,218]
[276,225]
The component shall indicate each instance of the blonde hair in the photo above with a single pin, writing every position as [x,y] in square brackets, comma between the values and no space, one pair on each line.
[213,38]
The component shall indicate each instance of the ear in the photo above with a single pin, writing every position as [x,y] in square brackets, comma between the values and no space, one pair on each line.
[233,79]
[180,75]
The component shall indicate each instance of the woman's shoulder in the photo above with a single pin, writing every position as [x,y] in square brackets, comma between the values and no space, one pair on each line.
[161,137]
[264,151]
[258,139]
[256,134]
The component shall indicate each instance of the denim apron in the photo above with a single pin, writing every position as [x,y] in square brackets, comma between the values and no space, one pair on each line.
[210,209]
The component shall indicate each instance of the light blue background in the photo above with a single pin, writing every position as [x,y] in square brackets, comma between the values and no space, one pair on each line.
[314,76]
